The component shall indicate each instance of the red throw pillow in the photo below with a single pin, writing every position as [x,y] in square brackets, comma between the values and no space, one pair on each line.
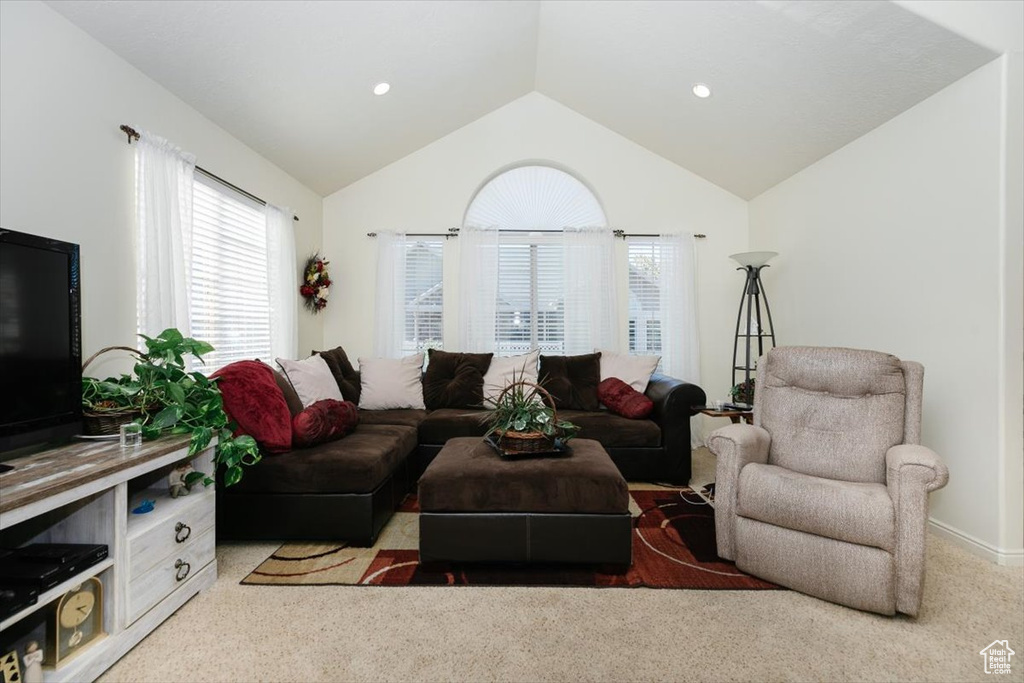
[256,404]
[624,400]
[326,420]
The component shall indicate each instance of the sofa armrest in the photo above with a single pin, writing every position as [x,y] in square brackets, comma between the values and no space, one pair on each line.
[911,473]
[735,447]
[673,400]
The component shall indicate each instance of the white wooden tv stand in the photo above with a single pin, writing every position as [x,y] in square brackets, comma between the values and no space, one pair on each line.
[84,493]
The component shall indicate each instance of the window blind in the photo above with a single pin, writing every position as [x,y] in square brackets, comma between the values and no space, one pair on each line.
[645,315]
[230,300]
[424,299]
[531,302]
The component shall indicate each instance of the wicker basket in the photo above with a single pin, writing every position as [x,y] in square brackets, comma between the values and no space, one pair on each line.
[528,442]
[108,422]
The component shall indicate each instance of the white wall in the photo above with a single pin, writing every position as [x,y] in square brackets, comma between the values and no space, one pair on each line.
[894,243]
[429,190]
[67,172]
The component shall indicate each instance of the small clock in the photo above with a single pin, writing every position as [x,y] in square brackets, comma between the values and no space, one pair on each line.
[76,621]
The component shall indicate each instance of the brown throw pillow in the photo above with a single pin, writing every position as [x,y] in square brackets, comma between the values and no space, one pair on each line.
[345,375]
[290,397]
[572,380]
[455,380]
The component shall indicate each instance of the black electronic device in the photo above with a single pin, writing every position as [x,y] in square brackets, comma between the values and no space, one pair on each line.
[17,573]
[16,598]
[71,558]
[40,341]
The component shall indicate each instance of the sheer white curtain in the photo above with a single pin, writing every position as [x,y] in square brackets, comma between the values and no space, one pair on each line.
[163,206]
[390,298]
[282,283]
[680,355]
[478,288]
[591,291]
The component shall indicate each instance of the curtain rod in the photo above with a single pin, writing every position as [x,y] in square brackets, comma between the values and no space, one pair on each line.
[454,232]
[134,135]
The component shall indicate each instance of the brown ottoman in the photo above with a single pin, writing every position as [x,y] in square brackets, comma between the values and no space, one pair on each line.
[478,507]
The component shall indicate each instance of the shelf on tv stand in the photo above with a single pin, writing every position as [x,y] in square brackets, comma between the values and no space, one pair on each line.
[81,493]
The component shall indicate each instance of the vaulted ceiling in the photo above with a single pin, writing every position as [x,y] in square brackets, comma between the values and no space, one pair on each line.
[791,80]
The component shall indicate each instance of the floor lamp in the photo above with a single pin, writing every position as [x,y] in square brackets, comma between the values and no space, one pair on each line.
[745,359]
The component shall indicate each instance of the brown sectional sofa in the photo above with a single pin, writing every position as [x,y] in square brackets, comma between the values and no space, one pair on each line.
[348,489]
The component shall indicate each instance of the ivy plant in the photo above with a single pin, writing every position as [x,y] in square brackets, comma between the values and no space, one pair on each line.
[521,408]
[174,400]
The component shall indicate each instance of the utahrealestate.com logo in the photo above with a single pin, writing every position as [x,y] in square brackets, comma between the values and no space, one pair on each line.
[997,657]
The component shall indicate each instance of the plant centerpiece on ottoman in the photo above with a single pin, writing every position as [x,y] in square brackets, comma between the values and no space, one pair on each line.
[525,420]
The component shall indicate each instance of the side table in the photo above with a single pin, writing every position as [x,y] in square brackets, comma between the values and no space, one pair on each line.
[733,414]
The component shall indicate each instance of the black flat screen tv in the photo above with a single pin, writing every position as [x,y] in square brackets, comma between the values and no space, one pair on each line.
[40,341]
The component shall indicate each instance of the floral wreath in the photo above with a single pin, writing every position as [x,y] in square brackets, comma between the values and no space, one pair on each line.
[316,283]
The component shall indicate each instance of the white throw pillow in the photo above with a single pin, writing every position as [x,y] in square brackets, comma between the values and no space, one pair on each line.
[635,371]
[391,383]
[311,379]
[504,370]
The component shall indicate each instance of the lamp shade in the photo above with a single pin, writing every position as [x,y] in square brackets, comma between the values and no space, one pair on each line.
[754,258]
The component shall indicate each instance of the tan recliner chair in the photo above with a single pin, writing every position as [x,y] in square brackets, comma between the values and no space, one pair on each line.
[827,492]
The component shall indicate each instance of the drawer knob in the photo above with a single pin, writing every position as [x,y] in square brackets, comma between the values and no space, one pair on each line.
[183,568]
[181,532]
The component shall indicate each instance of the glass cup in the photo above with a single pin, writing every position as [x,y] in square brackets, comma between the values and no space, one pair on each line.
[719,404]
[131,435]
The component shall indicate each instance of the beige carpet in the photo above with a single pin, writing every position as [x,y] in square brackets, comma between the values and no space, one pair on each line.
[338,633]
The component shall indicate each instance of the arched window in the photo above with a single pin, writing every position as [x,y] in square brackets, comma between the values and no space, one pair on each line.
[534,198]
[545,219]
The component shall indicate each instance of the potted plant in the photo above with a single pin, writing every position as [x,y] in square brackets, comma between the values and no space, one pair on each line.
[525,420]
[164,397]
[743,393]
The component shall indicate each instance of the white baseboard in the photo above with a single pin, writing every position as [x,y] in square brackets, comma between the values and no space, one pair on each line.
[975,546]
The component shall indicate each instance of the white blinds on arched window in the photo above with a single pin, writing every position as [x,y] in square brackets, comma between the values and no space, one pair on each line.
[536,266]
[535,198]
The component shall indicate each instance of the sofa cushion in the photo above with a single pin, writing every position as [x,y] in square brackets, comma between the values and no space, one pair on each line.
[614,431]
[635,371]
[846,511]
[572,380]
[359,463]
[408,417]
[506,369]
[447,423]
[311,379]
[611,430]
[345,375]
[254,402]
[622,399]
[468,476]
[391,383]
[324,421]
[454,380]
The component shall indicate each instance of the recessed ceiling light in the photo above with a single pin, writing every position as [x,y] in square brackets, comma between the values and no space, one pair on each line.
[701,90]
[381,88]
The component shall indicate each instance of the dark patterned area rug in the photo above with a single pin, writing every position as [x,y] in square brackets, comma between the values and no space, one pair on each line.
[673,547]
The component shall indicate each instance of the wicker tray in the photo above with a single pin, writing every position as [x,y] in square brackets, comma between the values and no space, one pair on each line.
[559,450]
